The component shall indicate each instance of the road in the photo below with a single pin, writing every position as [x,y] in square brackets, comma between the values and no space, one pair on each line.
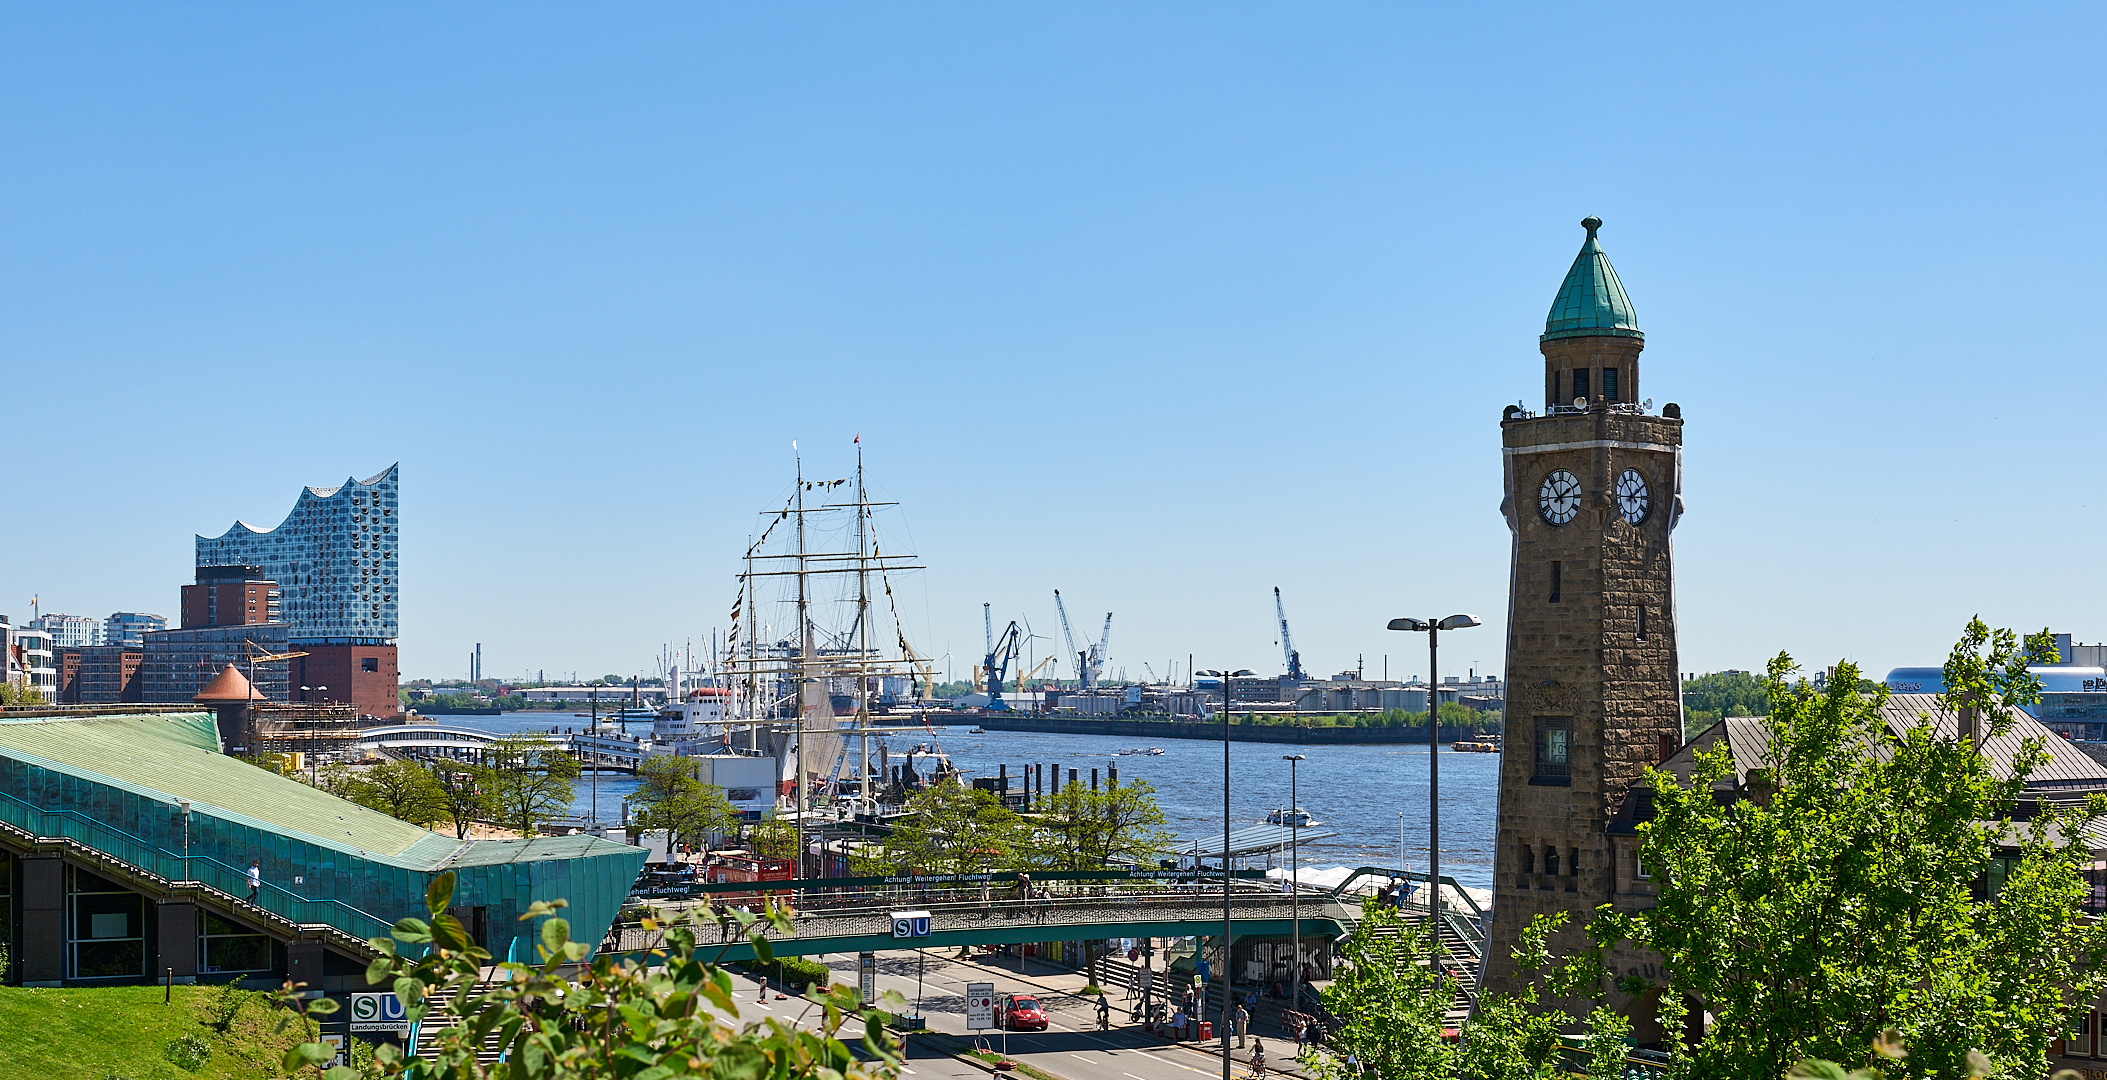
[1072,1047]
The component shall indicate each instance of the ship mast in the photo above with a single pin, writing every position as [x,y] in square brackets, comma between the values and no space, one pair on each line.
[804,666]
[863,626]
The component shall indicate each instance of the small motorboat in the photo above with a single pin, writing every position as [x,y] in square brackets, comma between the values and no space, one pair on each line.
[1296,818]
[1153,751]
[977,731]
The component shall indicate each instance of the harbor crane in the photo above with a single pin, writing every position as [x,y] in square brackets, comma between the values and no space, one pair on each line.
[1103,649]
[1090,664]
[1001,653]
[1287,644]
[1082,659]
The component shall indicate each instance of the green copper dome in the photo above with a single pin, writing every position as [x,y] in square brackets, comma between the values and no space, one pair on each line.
[1592,302]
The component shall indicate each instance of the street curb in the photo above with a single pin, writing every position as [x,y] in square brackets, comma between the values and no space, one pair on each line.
[962,1051]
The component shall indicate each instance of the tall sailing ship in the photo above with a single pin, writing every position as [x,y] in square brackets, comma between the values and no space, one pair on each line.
[806,696]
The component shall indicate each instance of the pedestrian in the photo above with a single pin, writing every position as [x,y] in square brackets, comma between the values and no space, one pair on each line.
[1243,1023]
[255,880]
[1178,1023]
[1300,1024]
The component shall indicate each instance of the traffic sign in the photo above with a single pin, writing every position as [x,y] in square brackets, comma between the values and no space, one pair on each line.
[980,1006]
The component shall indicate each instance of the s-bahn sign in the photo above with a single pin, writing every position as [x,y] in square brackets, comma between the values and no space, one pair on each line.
[378,1012]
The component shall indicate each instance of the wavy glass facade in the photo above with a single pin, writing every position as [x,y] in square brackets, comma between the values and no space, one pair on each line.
[334,559]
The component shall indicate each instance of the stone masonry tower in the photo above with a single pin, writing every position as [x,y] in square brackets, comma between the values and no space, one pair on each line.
[1593,489]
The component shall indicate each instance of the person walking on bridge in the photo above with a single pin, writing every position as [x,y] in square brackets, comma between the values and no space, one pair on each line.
[255,880]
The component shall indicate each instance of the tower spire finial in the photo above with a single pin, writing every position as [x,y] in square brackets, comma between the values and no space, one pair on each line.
[1591,223]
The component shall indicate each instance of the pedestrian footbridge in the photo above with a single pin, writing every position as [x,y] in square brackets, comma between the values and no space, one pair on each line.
[469,744]
[1124,913]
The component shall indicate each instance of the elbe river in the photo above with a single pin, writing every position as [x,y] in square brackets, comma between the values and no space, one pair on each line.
[1356,791]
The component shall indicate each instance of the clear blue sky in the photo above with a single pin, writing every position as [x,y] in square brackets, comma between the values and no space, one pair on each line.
[1082,277]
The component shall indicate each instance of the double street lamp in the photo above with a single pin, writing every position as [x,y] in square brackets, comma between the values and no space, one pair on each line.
[1433,628]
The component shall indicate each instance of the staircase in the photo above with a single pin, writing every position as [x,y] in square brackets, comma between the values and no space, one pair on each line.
[196,892]
[425,1036]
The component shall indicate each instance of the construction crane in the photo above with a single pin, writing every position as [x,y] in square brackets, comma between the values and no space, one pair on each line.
[1287,644]
[260,655]
[1001,653]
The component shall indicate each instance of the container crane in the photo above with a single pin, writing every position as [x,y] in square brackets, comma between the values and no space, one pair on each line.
[1287,644]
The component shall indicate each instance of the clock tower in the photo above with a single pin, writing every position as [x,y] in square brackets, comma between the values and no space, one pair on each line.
[1593,489]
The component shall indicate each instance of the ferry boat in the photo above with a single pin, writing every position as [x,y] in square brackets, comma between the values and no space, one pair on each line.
[1153,751]
[1475,746]
[1298,818]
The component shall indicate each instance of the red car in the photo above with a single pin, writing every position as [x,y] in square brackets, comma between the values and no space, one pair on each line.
[1020,1012]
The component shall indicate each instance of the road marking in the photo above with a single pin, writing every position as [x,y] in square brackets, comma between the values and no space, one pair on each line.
[907,1070]
[1131,1074]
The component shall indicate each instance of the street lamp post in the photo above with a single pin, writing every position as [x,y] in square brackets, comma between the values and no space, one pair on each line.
[1294,879]
[1433,629]
[1228,951]
[1228,942]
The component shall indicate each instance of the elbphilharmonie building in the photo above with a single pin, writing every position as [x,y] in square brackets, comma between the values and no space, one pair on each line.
[334,559]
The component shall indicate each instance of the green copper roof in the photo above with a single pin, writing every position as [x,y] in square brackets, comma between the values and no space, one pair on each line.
[1591,303]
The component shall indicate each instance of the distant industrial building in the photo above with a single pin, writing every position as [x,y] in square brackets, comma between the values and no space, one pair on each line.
[334,563]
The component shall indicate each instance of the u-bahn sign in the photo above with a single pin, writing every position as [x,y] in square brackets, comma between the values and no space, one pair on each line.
[910,924]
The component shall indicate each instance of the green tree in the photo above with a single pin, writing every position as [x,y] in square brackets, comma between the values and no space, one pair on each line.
[670,795]
[1387,996]
[464,793]
[1846,892]
[1094,830]
[20,692]
[1709,697]
[672,1014]
[530,782]
[774,836]
[952,828]
[401,789]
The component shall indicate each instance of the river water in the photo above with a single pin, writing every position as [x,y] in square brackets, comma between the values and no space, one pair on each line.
[1362,793]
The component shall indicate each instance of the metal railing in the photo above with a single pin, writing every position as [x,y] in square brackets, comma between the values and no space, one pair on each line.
[175,870]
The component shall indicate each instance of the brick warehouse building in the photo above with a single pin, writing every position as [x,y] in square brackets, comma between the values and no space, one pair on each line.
[335,562]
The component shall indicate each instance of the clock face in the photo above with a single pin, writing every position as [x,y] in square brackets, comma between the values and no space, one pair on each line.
[1633,500]
[1559,499]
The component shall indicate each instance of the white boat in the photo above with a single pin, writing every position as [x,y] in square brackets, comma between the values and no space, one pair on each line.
[1290,817]
[1153,751]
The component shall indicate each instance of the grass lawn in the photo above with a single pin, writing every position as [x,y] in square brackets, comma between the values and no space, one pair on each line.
[122,1031]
